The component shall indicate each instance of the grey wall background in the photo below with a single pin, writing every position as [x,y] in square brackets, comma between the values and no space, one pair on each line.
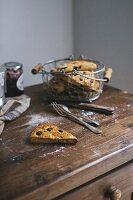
[104,31]
[33,31]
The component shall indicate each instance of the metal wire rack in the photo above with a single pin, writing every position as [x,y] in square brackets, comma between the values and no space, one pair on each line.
[74,85]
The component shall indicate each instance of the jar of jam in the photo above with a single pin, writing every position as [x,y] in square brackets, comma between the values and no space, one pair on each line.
[14,79]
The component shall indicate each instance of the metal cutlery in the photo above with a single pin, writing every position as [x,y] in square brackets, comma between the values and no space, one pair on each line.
[85,119]
[59,108]
[92,107]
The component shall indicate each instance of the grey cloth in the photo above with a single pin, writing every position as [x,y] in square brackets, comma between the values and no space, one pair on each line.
[13,108]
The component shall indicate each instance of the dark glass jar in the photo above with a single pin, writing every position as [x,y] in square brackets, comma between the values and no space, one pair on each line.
[14,79]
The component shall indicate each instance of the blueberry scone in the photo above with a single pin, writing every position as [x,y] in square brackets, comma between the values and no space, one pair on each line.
[79,80]
[49,133]
[79,65]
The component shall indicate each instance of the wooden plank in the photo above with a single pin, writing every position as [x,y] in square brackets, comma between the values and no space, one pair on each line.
[30,171]
[120,178]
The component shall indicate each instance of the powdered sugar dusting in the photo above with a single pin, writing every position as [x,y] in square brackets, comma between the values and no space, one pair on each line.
[61,149]
[35,119]
[89,114]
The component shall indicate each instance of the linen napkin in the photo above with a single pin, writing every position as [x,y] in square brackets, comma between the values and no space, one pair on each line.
[13,108]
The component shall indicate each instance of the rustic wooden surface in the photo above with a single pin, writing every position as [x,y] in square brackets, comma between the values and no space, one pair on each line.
[29,171]
[120,178]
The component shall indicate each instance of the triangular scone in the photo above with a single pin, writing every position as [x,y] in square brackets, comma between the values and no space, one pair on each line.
[48,133]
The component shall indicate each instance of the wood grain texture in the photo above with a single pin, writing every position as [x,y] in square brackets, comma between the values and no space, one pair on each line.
[35,172]
[120,178]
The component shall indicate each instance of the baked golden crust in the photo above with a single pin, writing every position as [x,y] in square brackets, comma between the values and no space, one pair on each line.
[79,80]
[79,65]
[96,87]
[49,133]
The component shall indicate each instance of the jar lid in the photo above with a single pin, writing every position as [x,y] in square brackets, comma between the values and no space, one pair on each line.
[12,65]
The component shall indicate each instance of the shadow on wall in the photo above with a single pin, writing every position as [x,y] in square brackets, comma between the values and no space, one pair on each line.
[104,33]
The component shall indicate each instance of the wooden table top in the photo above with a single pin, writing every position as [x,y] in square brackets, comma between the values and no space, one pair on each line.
[42,171]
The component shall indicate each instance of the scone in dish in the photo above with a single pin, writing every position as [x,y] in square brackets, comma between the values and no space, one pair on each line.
[69,79]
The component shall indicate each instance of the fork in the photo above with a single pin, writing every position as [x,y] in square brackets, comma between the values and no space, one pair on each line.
[90,121]
[61,111]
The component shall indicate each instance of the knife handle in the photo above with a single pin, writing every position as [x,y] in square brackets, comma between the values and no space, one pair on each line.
[95,107]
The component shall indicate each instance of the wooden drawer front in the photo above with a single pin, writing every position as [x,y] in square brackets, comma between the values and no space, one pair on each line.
[121,178]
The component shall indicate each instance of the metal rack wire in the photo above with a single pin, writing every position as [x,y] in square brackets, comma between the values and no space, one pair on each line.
[57,89]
